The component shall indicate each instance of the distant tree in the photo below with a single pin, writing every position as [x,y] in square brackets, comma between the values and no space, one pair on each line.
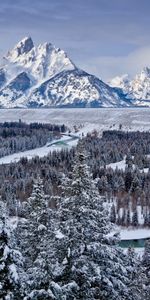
[147,219]
[113,214]
[135,221]
[128,179]
[128,218]
[129,161]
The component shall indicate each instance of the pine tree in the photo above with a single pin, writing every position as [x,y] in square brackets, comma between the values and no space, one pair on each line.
[113,214]
[147,219]
[129,161]
[128,178]
[87,258]
[35,236]
[137,276]
[146,264]
[128,220]
[36,212]
[10,260]
[135,221]
[38,200]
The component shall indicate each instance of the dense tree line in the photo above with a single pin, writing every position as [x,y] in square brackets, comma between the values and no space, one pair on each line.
[68,252]
[128,191]
[115,145]
[19,136]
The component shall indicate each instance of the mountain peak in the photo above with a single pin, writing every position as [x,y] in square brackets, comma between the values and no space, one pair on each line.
[120,82]
[137,89]
[24,46]
[44,75]
[145,73]
[45,47]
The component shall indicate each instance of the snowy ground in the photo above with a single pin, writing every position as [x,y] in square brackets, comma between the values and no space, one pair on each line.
[131,234]
[90,118]
[121,165]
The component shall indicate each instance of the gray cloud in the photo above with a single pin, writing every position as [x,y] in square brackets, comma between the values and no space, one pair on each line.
[99,35]
[111,66]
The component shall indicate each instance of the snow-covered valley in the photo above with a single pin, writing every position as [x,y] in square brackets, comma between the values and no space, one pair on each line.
[128,119]
[83,121]
[86,120]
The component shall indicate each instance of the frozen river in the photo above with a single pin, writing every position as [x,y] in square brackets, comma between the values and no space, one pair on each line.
[64,142]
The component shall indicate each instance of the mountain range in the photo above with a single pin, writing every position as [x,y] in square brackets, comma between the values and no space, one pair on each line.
[137,89]
[44,76]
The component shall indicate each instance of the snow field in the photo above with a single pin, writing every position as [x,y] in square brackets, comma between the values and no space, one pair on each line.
[88,118]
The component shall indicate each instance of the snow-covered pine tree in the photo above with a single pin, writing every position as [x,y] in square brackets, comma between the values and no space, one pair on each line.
[10,260]
[38,200]
[36,212]
[36,234]
[88,263]
[137,277]
[146,264]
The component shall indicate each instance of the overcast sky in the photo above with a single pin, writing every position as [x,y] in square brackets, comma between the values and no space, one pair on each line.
[104,37]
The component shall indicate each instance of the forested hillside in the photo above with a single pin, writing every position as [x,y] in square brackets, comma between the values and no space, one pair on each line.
[16,137]
[68,252]
[128,190]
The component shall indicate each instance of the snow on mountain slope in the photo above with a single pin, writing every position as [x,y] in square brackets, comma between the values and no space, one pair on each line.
[41,62]
[30,64]
[138,89]
[75,88]
[44,76]
[121,82]
[15,89]
[23,47]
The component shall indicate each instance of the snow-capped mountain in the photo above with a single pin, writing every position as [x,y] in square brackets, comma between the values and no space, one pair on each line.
[44,76]
[75,88]
[137,90]
[40,62]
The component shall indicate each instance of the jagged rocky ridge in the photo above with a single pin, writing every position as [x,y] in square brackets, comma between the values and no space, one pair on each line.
[137,90]
[44,76]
